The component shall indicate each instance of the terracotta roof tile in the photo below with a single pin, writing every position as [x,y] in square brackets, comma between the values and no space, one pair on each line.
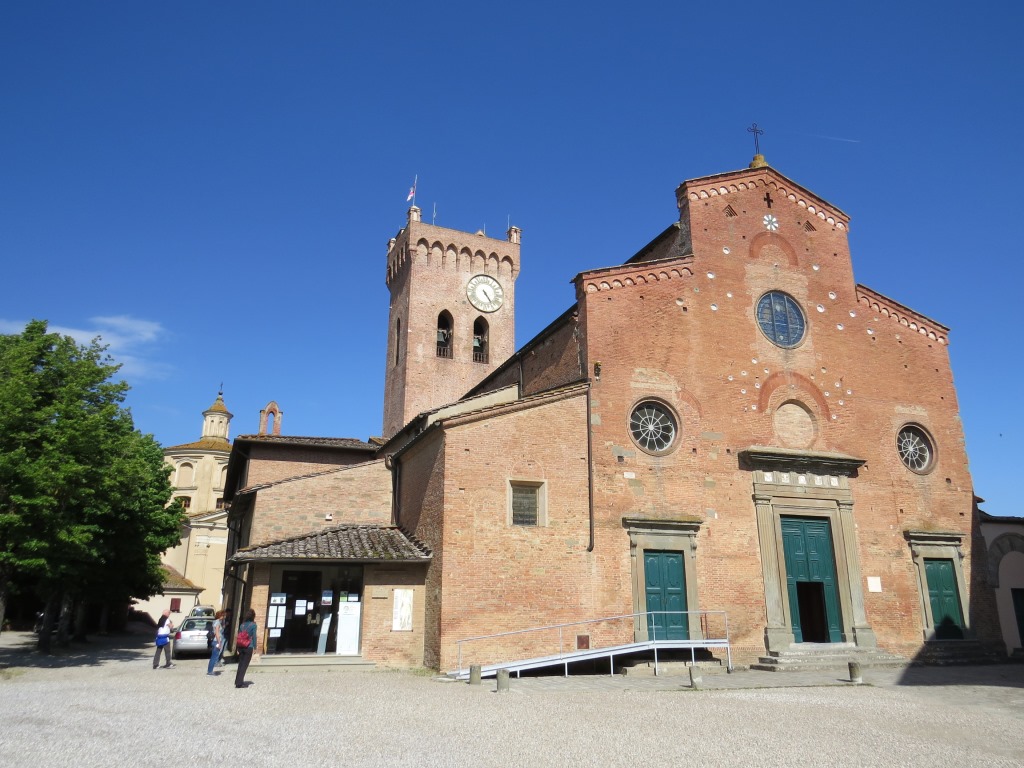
[345,542]
[206,444]
[330,442]
[174,580]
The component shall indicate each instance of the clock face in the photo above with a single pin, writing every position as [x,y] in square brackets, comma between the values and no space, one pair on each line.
[485,293]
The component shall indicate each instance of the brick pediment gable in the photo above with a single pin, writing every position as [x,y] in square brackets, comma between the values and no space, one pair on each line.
[782,188]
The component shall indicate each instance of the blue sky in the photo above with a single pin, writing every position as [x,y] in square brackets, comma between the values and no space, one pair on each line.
[211,186]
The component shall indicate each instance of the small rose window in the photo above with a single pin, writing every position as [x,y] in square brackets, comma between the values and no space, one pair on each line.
[915,448]
[652,427]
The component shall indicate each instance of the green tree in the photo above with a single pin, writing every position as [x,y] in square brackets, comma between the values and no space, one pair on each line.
[82,494]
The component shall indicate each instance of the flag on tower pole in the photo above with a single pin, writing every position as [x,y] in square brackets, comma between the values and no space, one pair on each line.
[412,190]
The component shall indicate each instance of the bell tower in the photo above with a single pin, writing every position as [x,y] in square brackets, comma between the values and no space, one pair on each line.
[452,318]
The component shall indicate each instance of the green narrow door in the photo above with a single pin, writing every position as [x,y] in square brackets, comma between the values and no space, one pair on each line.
[666,591]
[944,597]
[811,580]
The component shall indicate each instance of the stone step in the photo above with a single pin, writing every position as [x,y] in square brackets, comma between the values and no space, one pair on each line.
[825,656]
[314,660]
[943,652]
[775,664]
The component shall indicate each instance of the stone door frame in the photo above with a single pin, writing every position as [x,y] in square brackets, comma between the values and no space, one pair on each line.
[663,536]
[938,545]
[805,484]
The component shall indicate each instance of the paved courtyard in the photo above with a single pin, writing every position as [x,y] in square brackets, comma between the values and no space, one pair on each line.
[104,705]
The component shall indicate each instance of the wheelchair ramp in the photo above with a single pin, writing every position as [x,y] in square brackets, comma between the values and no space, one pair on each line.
[706,620]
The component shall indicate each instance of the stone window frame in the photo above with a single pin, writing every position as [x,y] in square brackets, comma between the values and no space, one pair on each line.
[659,535]
[672,414]
[933,458]
[939,545]
[542,500]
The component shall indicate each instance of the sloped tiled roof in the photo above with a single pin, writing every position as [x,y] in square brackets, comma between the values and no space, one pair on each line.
[206,444]
[329,442]
[175,581]
[362,543]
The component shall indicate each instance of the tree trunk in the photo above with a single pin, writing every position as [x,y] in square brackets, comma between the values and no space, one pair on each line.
[104,618]
[3,600]
[64,627]
[49,616]
[81,611]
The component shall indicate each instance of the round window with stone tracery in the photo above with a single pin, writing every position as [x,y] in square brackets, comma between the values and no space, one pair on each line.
[653,427]
[915,448]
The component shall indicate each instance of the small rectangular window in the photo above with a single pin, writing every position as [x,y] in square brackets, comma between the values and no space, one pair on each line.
[524,504]
[527,503]
[175,605]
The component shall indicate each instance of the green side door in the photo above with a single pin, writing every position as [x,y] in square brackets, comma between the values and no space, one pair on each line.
[811,579]
[947,616]
[666,596]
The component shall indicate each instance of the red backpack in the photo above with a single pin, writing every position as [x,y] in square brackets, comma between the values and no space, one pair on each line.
[242,639]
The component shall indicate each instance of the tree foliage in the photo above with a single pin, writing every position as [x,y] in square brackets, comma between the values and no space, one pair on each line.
[83,495]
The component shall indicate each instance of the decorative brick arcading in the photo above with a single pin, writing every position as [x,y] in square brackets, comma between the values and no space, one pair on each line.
[643,273]
[719,186]
[906,317]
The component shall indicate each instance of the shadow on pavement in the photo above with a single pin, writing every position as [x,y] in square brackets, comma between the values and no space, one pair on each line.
[1003,675]
[18,649]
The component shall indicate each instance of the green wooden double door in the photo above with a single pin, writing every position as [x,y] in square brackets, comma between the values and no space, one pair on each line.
[811,580]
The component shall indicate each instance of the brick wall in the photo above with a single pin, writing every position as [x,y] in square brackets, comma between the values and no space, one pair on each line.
[380,641]
[269,463]
[356,494]
[421,495]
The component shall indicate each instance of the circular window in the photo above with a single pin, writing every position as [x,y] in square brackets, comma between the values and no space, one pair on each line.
[652,427]
[781,319]
[915,448]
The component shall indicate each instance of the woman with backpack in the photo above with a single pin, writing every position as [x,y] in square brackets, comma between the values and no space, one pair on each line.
[245,642]
[216,641]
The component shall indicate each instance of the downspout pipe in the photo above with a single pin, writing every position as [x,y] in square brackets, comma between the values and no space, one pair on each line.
[396,476]
[590,468]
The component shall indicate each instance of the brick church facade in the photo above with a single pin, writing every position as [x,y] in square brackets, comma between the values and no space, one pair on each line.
[726,422]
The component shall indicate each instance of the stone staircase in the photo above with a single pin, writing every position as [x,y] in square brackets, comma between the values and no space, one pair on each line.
[806,657]
[947,652]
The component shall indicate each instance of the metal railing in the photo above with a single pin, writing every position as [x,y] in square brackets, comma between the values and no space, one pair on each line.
[712,626]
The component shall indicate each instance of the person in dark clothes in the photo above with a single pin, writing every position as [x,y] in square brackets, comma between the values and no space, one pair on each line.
[245,643]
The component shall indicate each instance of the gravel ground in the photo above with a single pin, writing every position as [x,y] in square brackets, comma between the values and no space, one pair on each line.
[105,705]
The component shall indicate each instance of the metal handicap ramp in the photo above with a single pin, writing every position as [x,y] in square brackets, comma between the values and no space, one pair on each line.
[712,630]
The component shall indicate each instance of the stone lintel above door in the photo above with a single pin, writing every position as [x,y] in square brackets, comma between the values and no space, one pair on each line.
[772,459]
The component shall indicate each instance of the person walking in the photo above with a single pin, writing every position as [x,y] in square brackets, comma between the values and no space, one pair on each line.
[164,627]
[245,643]
[216,642]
